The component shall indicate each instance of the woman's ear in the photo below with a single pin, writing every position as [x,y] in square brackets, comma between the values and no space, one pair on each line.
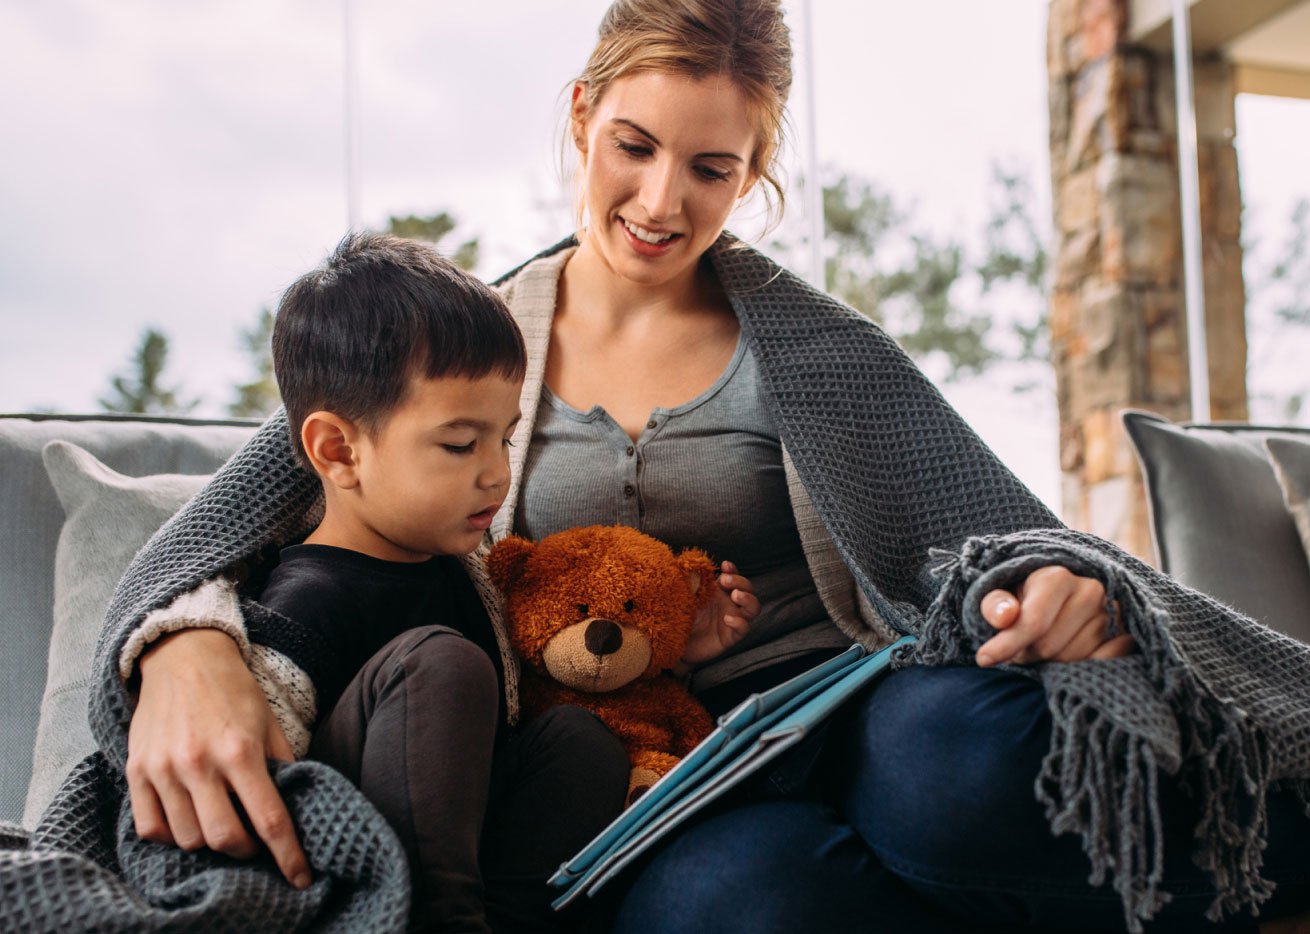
[330,443]
[747,186]
[579,109]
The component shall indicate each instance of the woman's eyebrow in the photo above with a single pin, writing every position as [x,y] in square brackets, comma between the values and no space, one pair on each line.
[651,136]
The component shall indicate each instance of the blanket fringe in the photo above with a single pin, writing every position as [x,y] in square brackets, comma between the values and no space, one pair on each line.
[1101,781]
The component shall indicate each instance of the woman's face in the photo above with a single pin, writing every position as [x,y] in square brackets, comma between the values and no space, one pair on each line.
[664,159]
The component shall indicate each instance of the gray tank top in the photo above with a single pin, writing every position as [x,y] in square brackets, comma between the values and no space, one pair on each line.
[706,473]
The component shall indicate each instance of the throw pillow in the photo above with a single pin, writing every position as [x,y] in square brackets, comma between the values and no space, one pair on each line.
[1291,460]
[107,518]
[1218,519]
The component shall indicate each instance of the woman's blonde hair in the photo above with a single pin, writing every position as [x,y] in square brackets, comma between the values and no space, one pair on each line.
[745,41]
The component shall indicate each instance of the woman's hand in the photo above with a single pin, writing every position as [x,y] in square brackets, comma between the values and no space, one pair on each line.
[725,620]
[1055,616]
[202,732]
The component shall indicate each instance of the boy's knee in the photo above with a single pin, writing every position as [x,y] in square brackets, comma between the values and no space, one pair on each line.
[444,658]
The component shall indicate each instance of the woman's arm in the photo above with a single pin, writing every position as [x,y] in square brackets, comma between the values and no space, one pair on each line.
[1053,616]
[200,728]
[203,732]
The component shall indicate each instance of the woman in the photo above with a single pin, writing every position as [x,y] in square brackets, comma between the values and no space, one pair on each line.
[665,391]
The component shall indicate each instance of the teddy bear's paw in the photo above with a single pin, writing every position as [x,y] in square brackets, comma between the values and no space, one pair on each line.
[639,783]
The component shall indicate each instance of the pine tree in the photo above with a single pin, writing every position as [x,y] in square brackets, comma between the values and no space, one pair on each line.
[259,397]
[433,229]
[139,390]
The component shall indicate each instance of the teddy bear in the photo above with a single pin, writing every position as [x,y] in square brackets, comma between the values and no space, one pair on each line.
[598,615]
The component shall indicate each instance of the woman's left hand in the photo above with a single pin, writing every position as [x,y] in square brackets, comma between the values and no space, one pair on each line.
[1054,616]
[725,620]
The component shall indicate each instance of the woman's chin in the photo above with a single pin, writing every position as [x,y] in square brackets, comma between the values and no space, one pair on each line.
[648,271]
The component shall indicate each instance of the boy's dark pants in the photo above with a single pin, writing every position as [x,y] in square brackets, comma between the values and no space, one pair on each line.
[486,816]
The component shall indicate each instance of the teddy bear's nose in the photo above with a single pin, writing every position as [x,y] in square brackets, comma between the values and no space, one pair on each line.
[603,637]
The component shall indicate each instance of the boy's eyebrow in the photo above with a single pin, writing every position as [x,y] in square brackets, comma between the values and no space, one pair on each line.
[477,424]
[651,136]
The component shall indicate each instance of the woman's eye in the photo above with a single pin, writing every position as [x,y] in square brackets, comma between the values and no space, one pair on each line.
[632,149]
[711,175]
[459,448]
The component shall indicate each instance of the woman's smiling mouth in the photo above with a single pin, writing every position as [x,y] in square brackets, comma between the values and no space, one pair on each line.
[648,242]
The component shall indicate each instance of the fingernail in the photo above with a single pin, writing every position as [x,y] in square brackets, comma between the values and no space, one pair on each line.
[984,659]
[1003,606]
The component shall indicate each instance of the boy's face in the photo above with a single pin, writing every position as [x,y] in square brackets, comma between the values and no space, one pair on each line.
[437,470]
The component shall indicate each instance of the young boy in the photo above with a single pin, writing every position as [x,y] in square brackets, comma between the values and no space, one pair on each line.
[401,378]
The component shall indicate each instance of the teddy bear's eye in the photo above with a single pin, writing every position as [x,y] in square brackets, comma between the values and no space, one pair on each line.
[582,608]
[627,606]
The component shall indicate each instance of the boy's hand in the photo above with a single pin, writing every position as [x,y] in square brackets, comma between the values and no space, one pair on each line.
[725,620]
[1055,616]
[202,732]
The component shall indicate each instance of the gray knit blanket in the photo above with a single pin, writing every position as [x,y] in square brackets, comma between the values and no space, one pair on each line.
[926,518]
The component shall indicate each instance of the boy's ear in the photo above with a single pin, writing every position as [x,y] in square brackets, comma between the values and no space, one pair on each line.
[507,559]
[329,442]
[699,569]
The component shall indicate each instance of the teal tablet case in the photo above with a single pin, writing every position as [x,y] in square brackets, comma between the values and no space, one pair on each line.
[752,734]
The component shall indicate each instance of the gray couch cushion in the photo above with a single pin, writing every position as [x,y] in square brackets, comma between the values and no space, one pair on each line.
[30,521]
[1291,460]
[1218,519]
[108,518]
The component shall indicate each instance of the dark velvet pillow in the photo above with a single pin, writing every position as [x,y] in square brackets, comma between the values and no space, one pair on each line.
[1218,518]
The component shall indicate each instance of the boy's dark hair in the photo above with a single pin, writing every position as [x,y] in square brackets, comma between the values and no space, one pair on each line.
[349,335]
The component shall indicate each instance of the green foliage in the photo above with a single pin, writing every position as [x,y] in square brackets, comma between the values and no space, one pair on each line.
[1278,297]
[434,229]
[259,397]
[139,390]
[925,290]
[1015,253]
[1291,269]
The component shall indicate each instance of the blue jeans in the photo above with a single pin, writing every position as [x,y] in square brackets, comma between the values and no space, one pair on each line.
[922,818]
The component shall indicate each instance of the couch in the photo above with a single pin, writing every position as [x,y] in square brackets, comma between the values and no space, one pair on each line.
[134,473]
[1228,509]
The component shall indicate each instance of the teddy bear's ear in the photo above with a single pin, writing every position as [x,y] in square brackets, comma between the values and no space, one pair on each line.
[507,559]
[700,571]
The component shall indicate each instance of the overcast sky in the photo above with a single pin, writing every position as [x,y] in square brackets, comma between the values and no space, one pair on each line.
[176,165]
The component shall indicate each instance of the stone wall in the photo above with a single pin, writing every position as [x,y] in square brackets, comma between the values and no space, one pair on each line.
[1118,330]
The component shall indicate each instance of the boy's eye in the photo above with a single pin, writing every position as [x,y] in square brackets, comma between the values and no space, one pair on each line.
[459,448]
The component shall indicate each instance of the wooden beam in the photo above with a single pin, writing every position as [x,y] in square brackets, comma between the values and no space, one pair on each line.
[1274,82]
[1215,23]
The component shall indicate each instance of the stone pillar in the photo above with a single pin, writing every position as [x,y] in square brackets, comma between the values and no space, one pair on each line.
[1118,331]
